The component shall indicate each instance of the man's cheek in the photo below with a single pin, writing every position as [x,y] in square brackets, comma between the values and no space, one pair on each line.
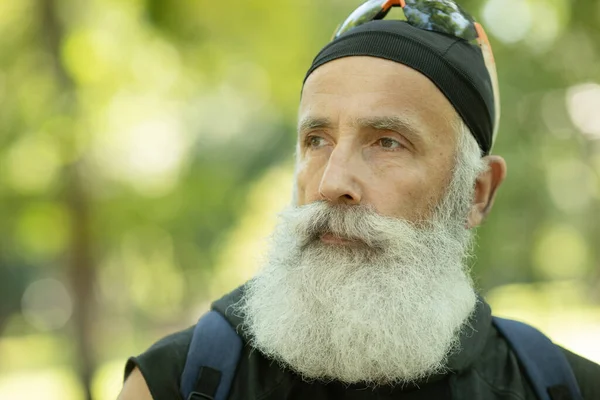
[308,178]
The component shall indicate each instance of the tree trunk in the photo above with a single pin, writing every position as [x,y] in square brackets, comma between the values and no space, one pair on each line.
[80,262]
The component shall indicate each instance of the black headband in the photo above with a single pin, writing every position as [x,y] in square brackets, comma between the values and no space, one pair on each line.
[454,65]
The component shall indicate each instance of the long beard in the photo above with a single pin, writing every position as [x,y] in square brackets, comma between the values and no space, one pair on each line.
[385,308]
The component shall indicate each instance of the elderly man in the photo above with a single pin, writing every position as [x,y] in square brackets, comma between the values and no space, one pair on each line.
[365,293]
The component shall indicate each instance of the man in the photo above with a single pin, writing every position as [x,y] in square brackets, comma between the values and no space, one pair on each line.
[366,293]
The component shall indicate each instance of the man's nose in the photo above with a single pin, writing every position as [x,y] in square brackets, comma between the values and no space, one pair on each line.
[340,183]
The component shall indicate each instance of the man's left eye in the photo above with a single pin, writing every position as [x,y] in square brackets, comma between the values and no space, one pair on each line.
[389,143]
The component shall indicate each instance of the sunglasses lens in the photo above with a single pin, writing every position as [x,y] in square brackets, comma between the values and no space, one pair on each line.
[443,16]
[365,13]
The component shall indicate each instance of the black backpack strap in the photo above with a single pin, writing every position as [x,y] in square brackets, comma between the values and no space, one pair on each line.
[546,366]
[212,359]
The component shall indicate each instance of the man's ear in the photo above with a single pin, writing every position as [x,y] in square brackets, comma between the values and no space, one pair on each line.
[486,185]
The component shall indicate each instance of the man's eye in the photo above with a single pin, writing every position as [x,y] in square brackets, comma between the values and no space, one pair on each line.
[389,143]
[315,142]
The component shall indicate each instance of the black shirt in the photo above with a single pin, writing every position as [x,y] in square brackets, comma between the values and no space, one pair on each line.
[485,368]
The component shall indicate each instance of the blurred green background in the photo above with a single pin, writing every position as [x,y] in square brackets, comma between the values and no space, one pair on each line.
[146,146]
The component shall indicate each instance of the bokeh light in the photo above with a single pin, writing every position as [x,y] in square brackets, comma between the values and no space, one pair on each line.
[47,305]
[508,20]
[583,103]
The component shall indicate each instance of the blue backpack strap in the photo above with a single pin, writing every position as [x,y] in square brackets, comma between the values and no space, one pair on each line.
[544,363]
[212,359]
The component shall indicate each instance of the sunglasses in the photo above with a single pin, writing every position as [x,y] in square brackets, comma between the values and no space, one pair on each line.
[443,16]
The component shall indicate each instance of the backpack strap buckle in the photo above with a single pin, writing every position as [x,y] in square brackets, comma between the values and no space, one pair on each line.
[212,359]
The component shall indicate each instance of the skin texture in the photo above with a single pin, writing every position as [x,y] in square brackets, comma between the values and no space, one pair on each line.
[374,132]
[485,190]
[135,387]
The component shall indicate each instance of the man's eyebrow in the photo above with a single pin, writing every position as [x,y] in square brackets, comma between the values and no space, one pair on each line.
[392,123]
[311,123]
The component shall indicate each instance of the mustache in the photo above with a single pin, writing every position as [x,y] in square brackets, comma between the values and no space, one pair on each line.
[360,223]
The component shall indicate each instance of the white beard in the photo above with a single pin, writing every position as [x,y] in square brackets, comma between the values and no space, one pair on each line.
[386,309]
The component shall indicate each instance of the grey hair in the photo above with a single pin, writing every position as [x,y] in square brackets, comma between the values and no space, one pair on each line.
[468,153]
[468,165]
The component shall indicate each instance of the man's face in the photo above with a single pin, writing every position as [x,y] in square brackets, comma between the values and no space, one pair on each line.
[374,132]
[354,287]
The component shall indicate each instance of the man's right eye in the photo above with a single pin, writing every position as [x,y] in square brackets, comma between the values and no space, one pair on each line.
[315,142]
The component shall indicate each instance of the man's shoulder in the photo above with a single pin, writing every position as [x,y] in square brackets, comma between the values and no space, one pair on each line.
[500,367]
[162,364]
[176,341]
[587,374]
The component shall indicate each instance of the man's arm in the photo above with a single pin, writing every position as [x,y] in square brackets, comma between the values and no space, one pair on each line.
[156,373]
[135,387]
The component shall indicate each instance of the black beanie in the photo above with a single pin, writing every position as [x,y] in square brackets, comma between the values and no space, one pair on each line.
[454,65]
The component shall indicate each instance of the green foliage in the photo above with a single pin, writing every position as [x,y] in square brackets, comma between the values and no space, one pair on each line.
[134,132]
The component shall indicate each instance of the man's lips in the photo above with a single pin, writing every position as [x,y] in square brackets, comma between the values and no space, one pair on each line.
[330,238]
